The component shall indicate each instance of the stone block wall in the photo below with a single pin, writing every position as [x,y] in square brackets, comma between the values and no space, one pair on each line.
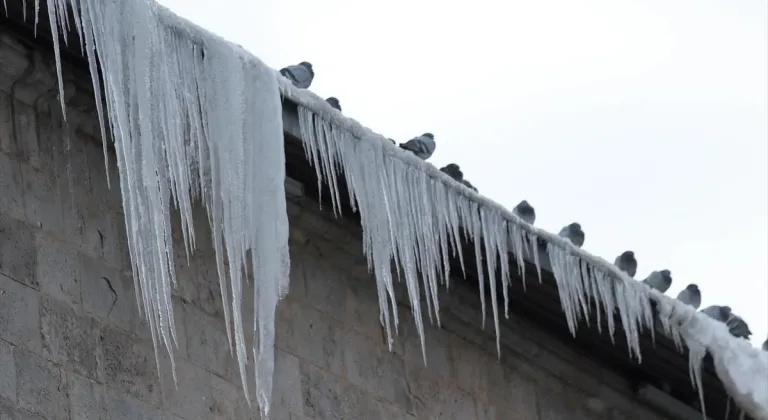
[73,344]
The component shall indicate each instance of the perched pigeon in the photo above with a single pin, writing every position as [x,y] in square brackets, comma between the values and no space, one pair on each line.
[301,75]
[738,327]
[453,171]
[470,186]
[691,295]
[334,103]
[718,313]
[765,345]
[627,263]
[422,146]
[659,280]
[573,233]
[525,211]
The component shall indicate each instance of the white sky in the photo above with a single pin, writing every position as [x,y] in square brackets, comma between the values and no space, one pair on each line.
[645,121]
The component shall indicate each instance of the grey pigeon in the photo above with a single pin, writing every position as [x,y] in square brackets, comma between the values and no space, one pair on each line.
[691,295]
[718,313]
[422,146]
[738,327]
[334,103]
[525,211]
[659,280]
[453,171]
[765,345]
[301,75]
[573,233]
[470,186]
[627,263]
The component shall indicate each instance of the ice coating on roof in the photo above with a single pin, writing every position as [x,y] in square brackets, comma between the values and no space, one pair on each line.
[411,213]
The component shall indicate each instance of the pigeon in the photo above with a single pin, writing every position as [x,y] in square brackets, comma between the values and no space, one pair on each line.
[453,171]
[691,295]
[627,263]
[334,103]
[738,327]
[525,211]
[718,313]
[659,280]
[573,233]
[301,75]
[422,146]
[765,345]
[468,185]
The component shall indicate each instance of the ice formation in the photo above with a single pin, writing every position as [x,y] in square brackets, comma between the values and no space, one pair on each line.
[413,214]
[193,116]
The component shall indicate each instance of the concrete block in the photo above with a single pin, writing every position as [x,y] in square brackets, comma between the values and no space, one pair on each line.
[229,400]
[56,270]
[321,393]
[41,386]
[11,186]
[42,201]
[9,411]
[125,407]
[69,337]
[191,396]
[19,315]
[87,399]
[207,343]
[108,294]
[451,404]
[286,387]
[326,285]
[471,366]
[436,347]
[18,251]
[7,371]
[206,280]
[512,393]
[313,336]
[363,314]
[25,131]
[371,366]
[129,366]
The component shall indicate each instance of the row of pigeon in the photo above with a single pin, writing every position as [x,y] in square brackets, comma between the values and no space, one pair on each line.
[423,146]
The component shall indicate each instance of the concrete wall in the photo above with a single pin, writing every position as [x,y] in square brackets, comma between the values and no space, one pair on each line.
[73,346]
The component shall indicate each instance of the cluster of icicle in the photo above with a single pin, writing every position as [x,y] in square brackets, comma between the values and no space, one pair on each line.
[192,118]
[413,214]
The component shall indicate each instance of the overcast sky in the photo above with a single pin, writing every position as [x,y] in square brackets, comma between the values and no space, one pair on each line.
[645,121]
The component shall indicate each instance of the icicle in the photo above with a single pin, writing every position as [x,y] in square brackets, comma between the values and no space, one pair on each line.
[191,116]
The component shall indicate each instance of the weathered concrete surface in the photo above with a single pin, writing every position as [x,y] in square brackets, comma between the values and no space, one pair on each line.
[73,346]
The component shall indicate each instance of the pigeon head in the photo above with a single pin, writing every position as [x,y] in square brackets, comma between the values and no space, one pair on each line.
[575,226]
[306,64]
[692,287]
[430,135]
[453,171]
[334,102]
[628,254]
[665,273]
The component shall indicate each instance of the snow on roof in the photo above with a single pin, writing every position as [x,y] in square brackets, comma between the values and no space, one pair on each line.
[194,116]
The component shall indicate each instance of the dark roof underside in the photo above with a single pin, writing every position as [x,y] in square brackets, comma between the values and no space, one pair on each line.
[540,304]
